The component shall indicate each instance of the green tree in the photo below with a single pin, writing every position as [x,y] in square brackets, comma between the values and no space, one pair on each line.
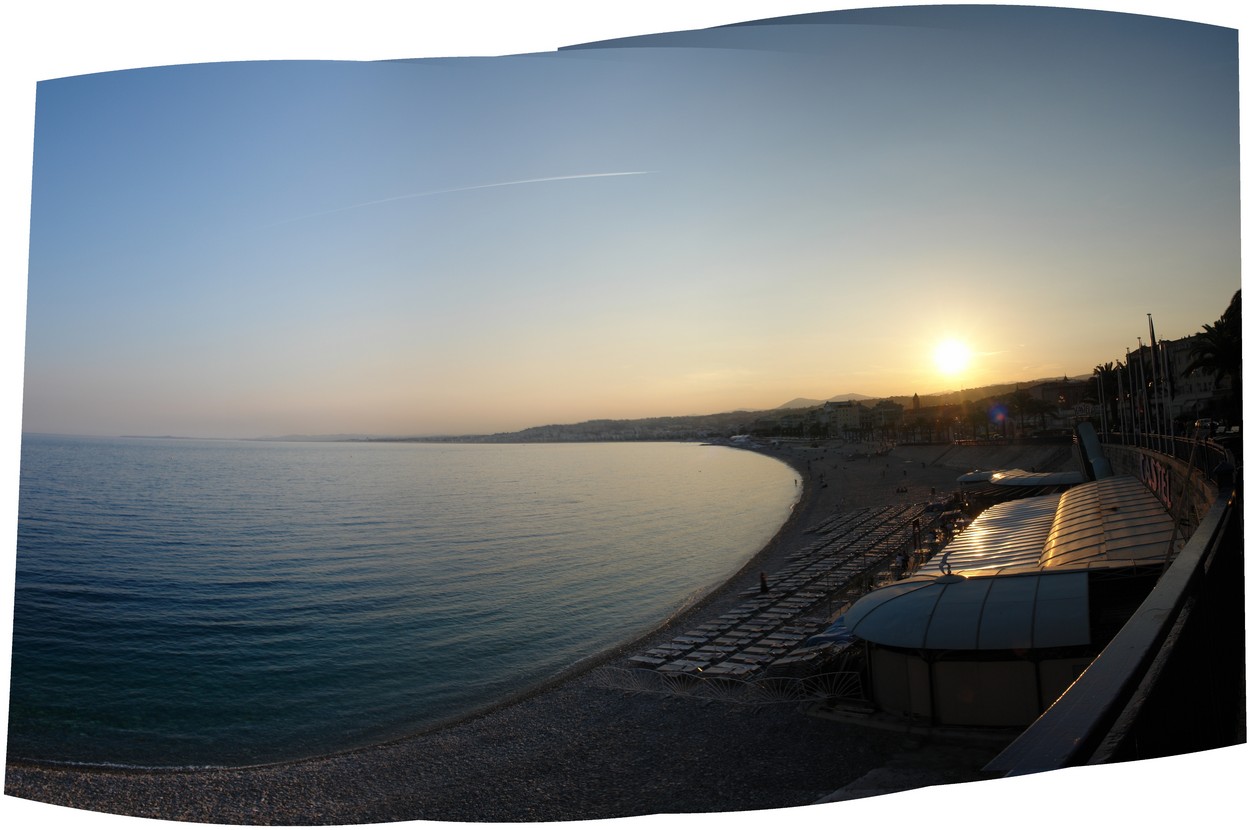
[1102,389]
[1019,406]
[1040,409]
[1217,350]
[922,426]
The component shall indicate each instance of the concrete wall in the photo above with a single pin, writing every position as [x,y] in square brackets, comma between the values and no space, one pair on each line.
[1182,488]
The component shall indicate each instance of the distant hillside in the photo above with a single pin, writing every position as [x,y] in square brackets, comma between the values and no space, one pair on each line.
[342,436]
[801,403]
[679,427]
[808,403]
[997,390]
[722,424]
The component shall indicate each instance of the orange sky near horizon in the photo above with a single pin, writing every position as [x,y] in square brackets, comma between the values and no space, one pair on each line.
[694,222]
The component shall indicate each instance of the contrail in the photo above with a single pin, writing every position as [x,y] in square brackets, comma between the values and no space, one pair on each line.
[457,190]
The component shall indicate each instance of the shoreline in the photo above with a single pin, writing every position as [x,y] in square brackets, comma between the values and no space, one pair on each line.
[679,618]
[549,724]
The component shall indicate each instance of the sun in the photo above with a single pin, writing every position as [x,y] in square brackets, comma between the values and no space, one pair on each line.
[951,356]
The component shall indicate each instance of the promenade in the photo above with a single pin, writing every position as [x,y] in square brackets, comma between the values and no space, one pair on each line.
[580,748]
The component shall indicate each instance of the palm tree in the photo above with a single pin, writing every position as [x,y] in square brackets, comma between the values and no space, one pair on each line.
[1104,374]
[1018,404]
[1041,409]
[979,417]
[922,426]
[1217,350]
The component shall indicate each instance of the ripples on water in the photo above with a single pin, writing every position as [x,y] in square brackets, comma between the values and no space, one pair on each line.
[197,602]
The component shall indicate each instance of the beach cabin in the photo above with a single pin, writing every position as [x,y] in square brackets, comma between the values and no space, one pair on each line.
[1016,607]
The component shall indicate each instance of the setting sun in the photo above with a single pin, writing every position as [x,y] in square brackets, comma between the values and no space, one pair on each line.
[951,356]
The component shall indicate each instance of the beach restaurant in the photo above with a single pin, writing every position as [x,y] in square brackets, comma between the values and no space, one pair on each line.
[993,631]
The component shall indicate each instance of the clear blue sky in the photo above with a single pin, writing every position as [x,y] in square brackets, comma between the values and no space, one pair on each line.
[688,223]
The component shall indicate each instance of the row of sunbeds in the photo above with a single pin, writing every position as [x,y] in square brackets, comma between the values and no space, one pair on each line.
[767,631]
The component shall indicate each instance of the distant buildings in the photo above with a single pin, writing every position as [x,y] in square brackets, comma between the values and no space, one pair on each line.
[1148,391]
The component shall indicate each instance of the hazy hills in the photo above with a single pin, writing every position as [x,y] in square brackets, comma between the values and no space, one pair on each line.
[926,398]
[808,403]
[677,426]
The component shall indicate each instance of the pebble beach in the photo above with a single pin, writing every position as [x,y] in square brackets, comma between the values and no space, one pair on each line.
[573,749]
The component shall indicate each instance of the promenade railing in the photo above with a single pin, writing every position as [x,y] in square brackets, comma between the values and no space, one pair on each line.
[1207,451]
[1173,679]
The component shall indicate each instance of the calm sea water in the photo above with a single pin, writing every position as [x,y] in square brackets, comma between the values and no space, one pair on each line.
[213,602]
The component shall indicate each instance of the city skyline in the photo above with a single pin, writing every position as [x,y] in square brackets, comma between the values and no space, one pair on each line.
[683,224]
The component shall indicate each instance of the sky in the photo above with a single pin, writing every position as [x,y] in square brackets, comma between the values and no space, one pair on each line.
[690,225]
[682,224]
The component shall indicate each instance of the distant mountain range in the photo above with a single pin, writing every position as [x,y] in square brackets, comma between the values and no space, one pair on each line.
[808,403]
[928,398]
[663,428]
[342,436]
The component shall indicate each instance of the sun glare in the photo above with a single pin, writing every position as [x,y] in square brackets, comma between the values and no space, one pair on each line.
[951,356]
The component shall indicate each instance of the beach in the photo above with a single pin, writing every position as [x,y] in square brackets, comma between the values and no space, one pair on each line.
[574,748]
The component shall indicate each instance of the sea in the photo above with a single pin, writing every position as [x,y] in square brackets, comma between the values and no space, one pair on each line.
[193,603]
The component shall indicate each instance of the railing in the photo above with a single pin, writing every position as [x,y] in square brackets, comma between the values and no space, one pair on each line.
[1208,452]
[1172,680]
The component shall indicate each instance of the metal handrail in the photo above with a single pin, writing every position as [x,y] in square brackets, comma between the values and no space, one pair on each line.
[1073,728]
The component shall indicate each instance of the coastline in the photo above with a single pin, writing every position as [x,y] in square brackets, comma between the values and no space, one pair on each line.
[561,750]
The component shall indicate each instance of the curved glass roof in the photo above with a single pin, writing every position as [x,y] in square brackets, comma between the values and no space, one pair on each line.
[1004,538]
[1017,578]
[1027,478]
[1016,611]
[1115,522]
